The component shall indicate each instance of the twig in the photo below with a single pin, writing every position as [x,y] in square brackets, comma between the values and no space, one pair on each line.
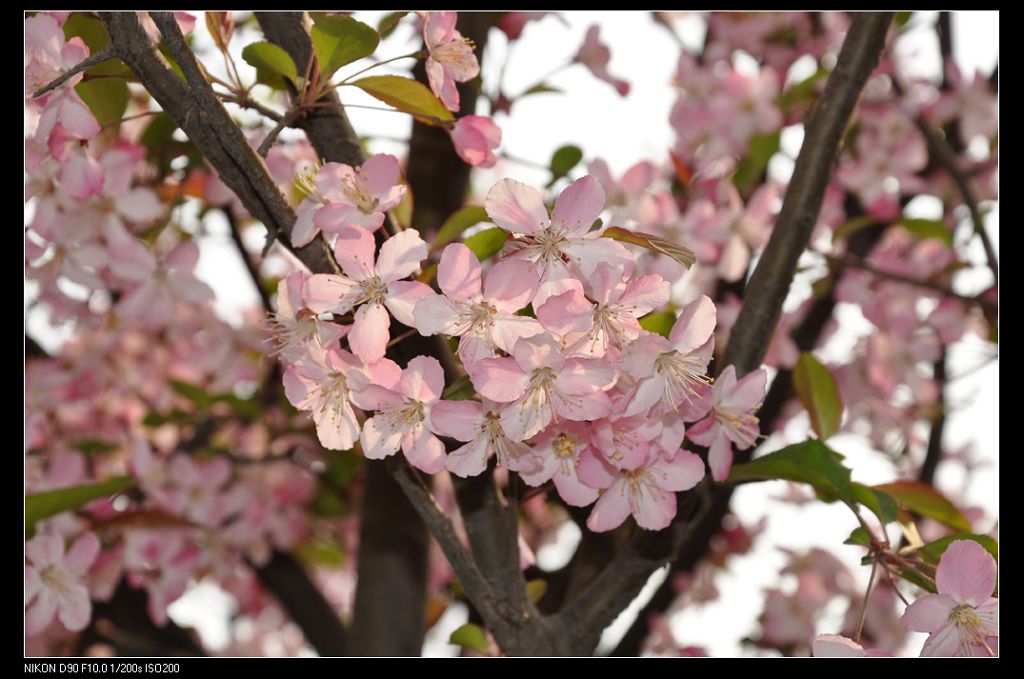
[864,606]
[286,121]
[858,263]
[91,60]
[254,274]
[624,577]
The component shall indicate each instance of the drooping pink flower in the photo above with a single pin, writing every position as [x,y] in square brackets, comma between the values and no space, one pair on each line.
[371,284]
[838,646]
[647,492]
[323,380]
[961,618]
[613,319]
[451,57]
[160,285]
[340,196]
[595,55]
[295,326]
[48,54]
[403,418]
[673,371]
[479,426]
[549,242]
[731,419]
[475,139]
[482,314]
[539,383]
[53,582]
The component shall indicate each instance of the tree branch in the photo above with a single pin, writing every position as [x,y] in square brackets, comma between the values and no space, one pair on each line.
[288,581]
[770,281]
[858,263]
[622,580]
[88,62]
[254,274]
[933,454]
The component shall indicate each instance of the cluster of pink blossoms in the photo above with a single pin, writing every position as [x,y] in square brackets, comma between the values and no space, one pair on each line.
[577,392]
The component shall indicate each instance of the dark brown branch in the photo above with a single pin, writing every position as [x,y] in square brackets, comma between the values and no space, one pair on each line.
[770,281]
[88,62]
[626,575]
[287,580]
[271,137]
[858,263]
[202,117]
[933,454]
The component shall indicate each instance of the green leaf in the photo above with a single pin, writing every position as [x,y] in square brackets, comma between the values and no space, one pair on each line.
[541,88]
[660,322]
[762,148]
[902,18]
[487,243]
[407,95]
[340,40]
[803,90]
[193,393]
[852,226]
[681,254]
[563,160]
[272,63]
[809,462]
[470,636]
[155,419]
[819,394]
[927,501]
[91,30]
[46,504]
[107,98]
[329,504]
[881,504]
[92,446]
[159,131]
[536,589]
[929,228]
[458,222]
[859,536]
[933,551]
[389,23]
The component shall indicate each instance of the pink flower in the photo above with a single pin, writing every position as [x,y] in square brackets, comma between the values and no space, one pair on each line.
[48,54]
[53,582]
[340,196]
[451,57]
[322,381]
[614,320]
[539,383]
[558,450]
[673,372]
[371,285]
[549,242]
[838,646]
[595,55]
[197,492]
[475,139]
[296,326]
[403,418]
[731,419]
[482,314]
[160,286]
[480,427]
[961,618]
[647,492]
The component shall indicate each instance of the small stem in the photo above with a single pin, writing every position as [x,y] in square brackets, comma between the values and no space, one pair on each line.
[456,384]
[405,335]
[329,254]
[540,81]
[132,117]
[89,61]
[412,55]
[864,606]
[287,120]
[246,102]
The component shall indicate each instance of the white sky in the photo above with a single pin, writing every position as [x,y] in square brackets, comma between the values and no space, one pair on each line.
[623,131]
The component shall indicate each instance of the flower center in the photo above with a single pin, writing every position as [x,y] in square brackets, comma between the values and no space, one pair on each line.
[374,289]
[356,190]
[57,579]
[458,52]
[683,375]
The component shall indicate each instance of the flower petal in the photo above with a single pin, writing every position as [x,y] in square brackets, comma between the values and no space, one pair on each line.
[459,273]
[967,572]
[401,255]
[578,206]
[370,332]
[516,207]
